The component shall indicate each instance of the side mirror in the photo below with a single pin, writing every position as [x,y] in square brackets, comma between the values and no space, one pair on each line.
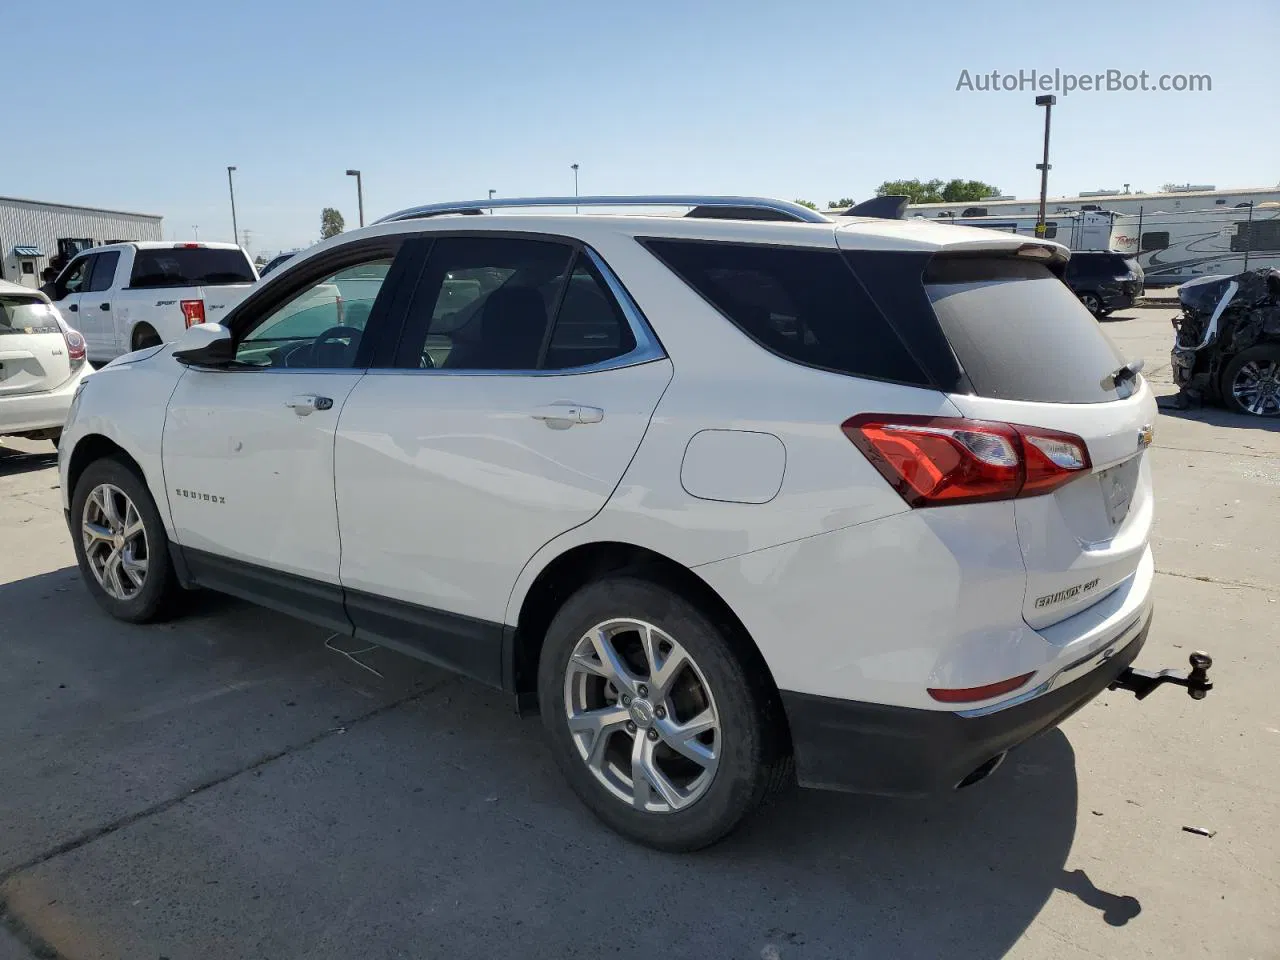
[205,345]
[48,290]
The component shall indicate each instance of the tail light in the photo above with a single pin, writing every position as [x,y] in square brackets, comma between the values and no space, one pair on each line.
[934,461]
[75,348]
[192,311]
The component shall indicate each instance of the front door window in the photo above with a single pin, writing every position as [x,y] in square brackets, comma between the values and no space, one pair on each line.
[321,327]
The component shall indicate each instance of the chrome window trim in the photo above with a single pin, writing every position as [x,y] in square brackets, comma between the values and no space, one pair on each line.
[647,348]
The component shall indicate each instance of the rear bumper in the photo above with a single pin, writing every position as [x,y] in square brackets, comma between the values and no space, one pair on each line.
[905,752]
[25,412]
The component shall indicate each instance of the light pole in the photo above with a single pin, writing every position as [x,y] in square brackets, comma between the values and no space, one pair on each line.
[195,228]
[574,168]
[359,192]
[1047,102]
[235,231]
[491,193]
[1248,236]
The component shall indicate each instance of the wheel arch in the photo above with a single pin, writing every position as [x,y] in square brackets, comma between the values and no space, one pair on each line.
[579,565]
[138,331]
[92,447]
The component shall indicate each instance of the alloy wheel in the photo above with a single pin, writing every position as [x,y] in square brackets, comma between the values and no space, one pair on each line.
[1256,388]
[115,541]
[642,715]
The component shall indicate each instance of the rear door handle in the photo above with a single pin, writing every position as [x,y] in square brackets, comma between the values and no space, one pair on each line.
[104,306]
[305,403]
[566,414]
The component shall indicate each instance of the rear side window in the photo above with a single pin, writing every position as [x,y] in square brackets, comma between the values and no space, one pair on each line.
[26,315]
[804,305]
[1020,333]
[190,267]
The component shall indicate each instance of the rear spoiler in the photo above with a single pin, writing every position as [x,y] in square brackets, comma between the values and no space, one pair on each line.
[892,207]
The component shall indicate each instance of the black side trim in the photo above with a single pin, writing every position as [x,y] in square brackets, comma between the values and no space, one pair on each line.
[463,644]
[300,597]
[904,752]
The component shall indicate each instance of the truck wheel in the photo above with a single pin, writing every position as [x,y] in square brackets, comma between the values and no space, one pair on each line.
[1251,381]
[144,336]
[653,717]
[121,544]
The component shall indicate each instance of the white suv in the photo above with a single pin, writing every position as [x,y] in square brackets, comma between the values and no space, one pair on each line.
[718,492]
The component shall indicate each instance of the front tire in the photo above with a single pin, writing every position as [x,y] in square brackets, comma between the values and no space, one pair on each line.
[121,544]
[1091,303]
[1251,381]
[654,718]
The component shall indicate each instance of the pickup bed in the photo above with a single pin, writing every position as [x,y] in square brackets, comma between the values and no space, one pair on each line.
[126,296]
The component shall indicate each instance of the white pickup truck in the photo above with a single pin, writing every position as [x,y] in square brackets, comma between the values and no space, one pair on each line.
[126,296]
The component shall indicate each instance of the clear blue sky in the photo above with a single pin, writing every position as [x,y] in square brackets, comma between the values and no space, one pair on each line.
[142,105]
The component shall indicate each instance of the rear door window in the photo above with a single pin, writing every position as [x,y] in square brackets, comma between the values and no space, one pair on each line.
[1020,333]
[190,267]
[802,304]
[485,303]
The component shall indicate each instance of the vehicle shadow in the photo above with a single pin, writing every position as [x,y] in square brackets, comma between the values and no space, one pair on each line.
[1216,416]
[441,818]
[14,462]
[1116,317]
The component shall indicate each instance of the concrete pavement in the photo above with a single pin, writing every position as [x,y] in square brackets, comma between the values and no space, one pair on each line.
[224,786]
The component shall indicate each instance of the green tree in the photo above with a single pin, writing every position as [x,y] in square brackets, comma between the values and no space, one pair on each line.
[929,191]
[937,191]
[958,191]
[841,204]
[807,203]
[331,223]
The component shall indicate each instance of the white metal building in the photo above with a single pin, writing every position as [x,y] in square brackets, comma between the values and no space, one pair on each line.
[37,236]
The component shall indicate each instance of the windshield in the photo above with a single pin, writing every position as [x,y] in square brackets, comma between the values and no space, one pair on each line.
[190,267]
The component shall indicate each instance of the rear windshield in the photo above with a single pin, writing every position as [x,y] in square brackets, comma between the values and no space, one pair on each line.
[190,267]
[803,304]
[1020,333]
[19,314]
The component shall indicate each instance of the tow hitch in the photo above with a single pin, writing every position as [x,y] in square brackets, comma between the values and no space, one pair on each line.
[1141,683]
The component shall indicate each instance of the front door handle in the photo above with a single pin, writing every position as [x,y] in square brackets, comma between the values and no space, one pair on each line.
[566,414]
[74,308]
[104,306]
[305,403]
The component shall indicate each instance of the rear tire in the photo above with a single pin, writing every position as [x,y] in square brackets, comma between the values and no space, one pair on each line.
[1251,381]
[1091,303]
[121,544]
[643,780]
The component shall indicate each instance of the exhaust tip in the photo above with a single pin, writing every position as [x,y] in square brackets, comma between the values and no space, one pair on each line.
[983,770]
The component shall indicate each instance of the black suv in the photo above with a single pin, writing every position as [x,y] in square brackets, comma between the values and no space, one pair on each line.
[1104,281]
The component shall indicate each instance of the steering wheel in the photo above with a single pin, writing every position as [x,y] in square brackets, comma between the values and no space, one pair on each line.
[330,337]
